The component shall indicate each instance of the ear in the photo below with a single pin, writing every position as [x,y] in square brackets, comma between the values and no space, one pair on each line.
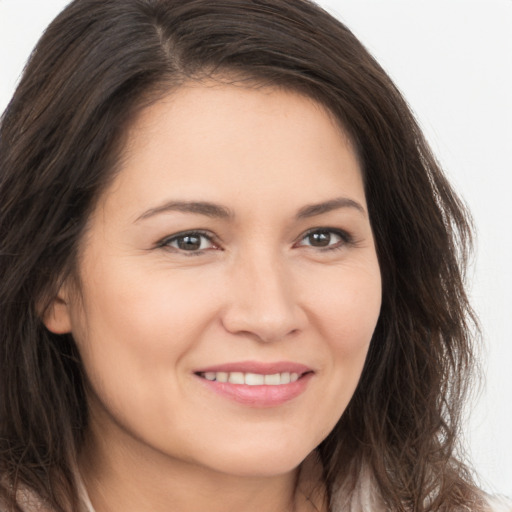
[57,316]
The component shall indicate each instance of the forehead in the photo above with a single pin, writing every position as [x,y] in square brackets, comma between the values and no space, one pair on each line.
[211,99]
[196,102]
[216,137]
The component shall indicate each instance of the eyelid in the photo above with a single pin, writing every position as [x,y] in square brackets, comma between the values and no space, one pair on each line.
[346,237]
[165,242]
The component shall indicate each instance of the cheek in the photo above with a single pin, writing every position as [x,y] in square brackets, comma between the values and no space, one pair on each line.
[347,308]
[134,328]
[144,310]
[346,319]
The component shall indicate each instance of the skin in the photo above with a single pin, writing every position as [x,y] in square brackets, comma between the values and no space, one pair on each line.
[148,313]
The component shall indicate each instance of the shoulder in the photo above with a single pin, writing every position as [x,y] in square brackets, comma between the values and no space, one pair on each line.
[28,501]
[365,503]
[499,504]
[363,498]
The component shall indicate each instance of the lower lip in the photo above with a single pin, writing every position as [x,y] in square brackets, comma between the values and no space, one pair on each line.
[259,396]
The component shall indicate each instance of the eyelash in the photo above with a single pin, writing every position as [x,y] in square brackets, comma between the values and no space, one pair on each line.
[345,239]
[166,242]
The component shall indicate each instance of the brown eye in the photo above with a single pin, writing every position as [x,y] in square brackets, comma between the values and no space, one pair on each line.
[325,239]
[319,239]
[189,242]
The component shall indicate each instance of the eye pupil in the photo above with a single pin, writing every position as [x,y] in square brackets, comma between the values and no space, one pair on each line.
[320,238]
[189,242]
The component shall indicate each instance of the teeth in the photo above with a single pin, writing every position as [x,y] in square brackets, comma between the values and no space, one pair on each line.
[221,376]
[236,378]
[252,379]
[273,380]
[285,378]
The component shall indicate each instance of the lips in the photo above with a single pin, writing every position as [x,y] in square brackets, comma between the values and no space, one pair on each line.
[257,384]
[252,379]
[258,367]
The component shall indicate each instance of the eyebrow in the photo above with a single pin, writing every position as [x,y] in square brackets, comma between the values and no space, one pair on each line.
[334,204]
[214,210]
[200,207]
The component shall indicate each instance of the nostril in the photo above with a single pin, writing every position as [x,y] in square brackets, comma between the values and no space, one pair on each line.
[263,327]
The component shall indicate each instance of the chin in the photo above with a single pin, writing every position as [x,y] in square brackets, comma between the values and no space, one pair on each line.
[270,460]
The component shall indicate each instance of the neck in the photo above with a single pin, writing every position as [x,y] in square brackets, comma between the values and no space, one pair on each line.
[121,476]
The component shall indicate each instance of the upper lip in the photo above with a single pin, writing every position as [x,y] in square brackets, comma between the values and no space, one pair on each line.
[257,367]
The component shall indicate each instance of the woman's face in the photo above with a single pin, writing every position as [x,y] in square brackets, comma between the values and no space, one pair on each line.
[234,244]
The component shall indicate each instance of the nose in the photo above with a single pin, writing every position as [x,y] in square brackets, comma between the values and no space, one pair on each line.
[262,300]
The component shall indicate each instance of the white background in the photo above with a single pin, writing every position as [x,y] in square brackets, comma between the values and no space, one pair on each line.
[453,61]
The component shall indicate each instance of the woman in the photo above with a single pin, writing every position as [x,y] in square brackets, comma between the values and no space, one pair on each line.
[232,272]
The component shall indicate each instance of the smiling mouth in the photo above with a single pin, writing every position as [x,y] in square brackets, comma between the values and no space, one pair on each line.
[260,390]
[252,379]
[257,384]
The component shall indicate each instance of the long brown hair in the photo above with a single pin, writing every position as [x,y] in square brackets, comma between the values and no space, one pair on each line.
[60,140]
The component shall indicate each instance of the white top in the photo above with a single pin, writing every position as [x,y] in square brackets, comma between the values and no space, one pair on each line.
[365,502]
[496,504]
